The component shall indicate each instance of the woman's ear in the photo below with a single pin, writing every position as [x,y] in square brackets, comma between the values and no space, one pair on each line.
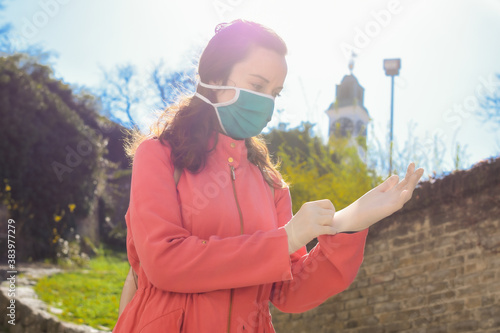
[215,83]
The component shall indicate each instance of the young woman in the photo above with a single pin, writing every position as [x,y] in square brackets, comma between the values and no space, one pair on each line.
[211,233]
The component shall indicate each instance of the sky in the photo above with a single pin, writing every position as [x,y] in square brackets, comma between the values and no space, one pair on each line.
[449,51]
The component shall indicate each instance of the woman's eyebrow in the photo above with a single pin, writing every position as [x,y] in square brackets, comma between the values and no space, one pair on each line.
[260,77]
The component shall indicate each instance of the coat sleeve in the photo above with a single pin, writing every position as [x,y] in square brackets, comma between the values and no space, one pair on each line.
[171,258]
[329,268]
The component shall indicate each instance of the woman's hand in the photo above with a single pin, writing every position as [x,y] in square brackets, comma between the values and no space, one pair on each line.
[380,202]
[314,218]
[317,218]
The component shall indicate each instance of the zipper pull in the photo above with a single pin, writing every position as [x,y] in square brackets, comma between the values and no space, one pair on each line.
[233,175]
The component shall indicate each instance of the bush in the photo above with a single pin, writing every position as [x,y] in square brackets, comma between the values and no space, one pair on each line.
[50,159]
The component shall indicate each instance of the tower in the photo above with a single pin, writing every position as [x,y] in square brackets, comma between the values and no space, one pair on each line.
[348,116]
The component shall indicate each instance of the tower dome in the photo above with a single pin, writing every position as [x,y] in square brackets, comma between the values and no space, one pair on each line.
[347,115]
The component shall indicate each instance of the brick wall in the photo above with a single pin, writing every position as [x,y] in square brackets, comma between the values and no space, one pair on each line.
[432,267]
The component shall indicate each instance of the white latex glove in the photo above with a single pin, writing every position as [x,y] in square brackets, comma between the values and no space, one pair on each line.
[314,218]
[380,202]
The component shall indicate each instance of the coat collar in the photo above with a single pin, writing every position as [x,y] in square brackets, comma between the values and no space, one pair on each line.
[229,150]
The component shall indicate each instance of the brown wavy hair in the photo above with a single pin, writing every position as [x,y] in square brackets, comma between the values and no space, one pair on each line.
[188,124]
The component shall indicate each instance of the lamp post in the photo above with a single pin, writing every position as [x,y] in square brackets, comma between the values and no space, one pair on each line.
[391,67]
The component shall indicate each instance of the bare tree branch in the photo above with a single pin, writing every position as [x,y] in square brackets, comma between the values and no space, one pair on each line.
[120,94]
[125,95]
[169,85]
[490,108]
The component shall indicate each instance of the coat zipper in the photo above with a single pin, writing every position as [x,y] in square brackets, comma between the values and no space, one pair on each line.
[230,309]
[233,178]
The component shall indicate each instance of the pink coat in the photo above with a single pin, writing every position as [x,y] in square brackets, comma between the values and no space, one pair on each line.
[213,262]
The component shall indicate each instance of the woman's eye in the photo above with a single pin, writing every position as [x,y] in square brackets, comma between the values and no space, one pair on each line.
[257,87]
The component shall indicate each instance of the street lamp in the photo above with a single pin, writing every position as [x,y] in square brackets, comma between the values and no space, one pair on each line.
[392,67]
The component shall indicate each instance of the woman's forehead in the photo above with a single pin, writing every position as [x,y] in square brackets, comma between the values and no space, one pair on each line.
[262,63]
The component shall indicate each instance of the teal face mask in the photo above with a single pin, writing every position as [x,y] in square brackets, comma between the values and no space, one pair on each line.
[245,115]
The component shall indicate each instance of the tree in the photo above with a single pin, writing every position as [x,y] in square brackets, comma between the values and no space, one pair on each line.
[5,31]
[121,94]
[490,107]
[5,27]
[126,93]
[11,43]
[51,159]
[171,84]
[317,171]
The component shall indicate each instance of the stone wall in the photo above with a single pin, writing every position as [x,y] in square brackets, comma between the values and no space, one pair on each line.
[432,267]
[31,314]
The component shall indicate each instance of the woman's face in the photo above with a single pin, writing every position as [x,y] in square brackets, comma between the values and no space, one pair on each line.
[263,71]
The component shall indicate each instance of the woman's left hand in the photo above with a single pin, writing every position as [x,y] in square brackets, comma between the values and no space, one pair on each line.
[380,202]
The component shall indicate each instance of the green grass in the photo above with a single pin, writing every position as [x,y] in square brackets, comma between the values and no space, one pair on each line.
[88,296]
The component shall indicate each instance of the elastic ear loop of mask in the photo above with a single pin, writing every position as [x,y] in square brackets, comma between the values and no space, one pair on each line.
[206,100]
[211,86]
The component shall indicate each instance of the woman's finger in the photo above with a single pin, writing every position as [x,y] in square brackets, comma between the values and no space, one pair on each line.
[416,177]
[325,216]
[389,183]
[403,183]
[410,170]
[324,211]
[325,204]
[412,179]
[325,220]
[329,230]
[408,191]
[405,196]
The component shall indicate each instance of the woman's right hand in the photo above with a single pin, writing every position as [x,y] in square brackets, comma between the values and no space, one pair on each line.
[313,219]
